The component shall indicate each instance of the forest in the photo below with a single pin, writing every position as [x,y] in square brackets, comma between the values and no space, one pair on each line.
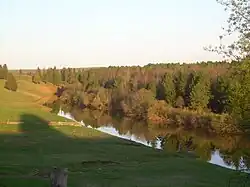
[208,95]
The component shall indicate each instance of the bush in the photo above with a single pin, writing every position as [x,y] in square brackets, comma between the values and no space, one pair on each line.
[136,104]
[157,113]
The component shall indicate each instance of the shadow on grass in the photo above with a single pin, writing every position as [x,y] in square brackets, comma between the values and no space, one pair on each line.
[91,156]
[94,159]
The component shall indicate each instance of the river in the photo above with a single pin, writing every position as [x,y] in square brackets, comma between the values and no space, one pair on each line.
[229,152]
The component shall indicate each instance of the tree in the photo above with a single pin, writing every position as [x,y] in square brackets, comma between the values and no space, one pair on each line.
[239,96]
[20,72]
[169,88]
[238,22]
[11,83]
[152,87]
[70,76]
[137,103]
[5,71]
[56,76]
[64,74]
[49,75]
[219,102]
[36,78]
[180,80]
[39,72]
[191,82]
[1,72]
[44,76]
[200,93]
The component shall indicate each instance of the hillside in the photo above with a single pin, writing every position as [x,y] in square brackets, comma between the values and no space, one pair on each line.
[29,98]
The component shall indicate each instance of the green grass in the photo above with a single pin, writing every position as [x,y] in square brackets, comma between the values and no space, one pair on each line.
[94,159]
[25,100]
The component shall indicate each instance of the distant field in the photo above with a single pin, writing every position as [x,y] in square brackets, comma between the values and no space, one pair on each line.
[27,100]
[95,159]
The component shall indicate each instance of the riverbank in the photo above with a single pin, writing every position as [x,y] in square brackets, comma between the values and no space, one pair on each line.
[95,159]
[229,151]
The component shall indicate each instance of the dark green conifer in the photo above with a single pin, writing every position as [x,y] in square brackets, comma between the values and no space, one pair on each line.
[11,83]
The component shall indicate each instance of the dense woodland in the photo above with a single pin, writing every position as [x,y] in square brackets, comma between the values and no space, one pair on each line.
[201,95]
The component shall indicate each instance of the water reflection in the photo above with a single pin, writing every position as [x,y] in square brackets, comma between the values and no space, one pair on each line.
[232,152]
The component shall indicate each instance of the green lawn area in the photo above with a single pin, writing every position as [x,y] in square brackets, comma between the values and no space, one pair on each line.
[15,104]
[94,159]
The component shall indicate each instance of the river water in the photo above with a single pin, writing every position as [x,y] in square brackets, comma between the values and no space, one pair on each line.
[225,158]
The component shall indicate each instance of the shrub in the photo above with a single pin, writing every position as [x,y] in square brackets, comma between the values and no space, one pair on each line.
[157,112]
[136,105]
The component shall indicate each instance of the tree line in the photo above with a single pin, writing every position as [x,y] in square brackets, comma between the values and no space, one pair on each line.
[205,94]
[10,82]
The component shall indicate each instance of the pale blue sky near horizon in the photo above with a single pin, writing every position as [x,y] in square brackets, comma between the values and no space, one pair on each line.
[81,33]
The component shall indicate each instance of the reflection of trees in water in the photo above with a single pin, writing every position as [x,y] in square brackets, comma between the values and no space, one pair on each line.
[171,143]
[204,151]
[233,149]
[238,158]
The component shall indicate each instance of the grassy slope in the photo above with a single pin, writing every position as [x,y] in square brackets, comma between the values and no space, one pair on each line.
[28,148]
[27,99]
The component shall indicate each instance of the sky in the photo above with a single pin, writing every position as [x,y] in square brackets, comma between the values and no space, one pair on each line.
[90,33]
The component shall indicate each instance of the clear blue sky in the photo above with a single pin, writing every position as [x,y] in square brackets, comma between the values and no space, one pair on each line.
[81,33]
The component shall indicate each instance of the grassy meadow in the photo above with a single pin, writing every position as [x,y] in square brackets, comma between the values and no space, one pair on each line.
[28,99]
[30,149]
[94,159]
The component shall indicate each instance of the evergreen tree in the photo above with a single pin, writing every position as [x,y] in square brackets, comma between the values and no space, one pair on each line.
[63,74]
[191,81]
[5,71]
[11,83]
[200,93]
[1,72]
[39,72]
[66,75]
[152,86]
[56,76]
[219,102]
[49,75]
[180,83]
[44,76]
[36,77]
[169,89]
